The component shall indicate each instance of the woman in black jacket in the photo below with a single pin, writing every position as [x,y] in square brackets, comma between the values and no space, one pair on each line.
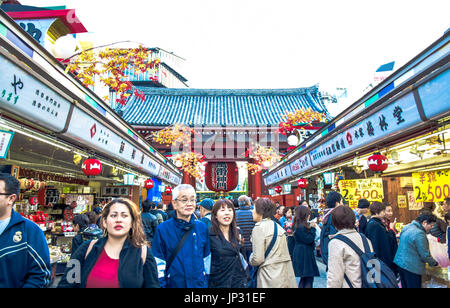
[303,259]
[228,266]
[121,259]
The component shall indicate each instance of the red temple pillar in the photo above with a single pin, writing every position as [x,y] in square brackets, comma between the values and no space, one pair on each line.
[188,179]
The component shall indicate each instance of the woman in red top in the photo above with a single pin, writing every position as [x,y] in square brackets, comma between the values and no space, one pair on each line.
[120,259]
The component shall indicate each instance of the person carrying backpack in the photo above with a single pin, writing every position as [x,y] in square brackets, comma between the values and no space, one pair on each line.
[149,220]
[352,262]
[334,200]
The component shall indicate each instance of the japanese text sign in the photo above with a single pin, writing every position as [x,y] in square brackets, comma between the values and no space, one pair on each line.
[431,186]
[354,190]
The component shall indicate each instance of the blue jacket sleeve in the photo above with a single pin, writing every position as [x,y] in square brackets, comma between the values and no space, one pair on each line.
[39,268]
[207,255]
[159,252]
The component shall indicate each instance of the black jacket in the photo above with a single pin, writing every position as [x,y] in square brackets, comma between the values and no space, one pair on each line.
[226,267]
[303,259]
[149,224]
[131,273]
[383,241]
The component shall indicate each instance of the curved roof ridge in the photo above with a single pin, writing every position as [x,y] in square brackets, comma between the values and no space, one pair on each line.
[225,92]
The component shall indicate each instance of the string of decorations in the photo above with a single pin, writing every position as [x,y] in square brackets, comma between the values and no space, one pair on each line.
[263,157]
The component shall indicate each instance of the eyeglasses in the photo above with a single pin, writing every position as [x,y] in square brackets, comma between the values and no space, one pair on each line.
[6,194]
[186,201]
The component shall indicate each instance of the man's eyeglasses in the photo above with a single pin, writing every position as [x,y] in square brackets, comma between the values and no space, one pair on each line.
[185,201]
[6,194]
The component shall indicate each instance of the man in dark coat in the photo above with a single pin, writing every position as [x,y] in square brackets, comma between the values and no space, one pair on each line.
[149,221]
[382,242]
[244,220]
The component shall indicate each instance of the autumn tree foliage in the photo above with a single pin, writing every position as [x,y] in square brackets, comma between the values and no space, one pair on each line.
[108,66]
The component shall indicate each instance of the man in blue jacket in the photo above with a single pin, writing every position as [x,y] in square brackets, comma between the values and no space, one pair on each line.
[24,253]
[190,267]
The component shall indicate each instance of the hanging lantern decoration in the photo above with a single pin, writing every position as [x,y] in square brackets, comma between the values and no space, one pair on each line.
[91,167]
[221,176]
[168,190]
[378,162]
[302,183]
[149,184]
[278,189]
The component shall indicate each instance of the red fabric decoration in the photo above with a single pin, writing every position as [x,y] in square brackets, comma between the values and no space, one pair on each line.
[378,162]
[221,176]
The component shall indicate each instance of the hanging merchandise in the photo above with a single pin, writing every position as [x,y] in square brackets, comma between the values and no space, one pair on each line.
[377,162]
[149,184]
[221,176]
[302,183]
[92,167]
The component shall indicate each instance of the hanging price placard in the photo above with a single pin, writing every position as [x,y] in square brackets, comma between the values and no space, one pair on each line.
[354,190]
[431,186]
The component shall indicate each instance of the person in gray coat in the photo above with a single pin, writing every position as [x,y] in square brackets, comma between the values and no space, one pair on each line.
[413,251]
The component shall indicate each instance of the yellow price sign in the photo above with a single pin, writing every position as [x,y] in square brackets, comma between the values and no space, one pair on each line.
[432,186]
[354,190]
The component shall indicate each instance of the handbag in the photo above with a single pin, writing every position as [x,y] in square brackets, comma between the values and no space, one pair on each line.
[254,273]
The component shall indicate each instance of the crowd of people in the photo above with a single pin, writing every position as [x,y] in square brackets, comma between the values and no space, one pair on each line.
[218,244]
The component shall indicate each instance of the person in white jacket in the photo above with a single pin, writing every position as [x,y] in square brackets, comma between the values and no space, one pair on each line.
[342,259]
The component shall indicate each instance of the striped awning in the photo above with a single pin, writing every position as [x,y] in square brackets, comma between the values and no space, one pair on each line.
[217,107]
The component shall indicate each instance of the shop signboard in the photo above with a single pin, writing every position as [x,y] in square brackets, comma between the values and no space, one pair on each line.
[432,186]
[413,205]
[397,116]
[301,164]
[5,142]
[170,177]
[154,194]
[89,131]
[435,95]
[29,98]
[278,176]
[402,201]
[354,190]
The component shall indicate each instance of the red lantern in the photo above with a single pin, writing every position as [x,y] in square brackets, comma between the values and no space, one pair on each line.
[278,189]
[302,183]
[149,184]
[92,167]
[378,162]
[221,176]
[168,190]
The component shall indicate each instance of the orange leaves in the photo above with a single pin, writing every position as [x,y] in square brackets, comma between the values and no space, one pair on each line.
[191,163]
[301,116]
[174,134]
[109,66]
[263,157]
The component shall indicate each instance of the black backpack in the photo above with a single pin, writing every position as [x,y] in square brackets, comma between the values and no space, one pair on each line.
[374,272]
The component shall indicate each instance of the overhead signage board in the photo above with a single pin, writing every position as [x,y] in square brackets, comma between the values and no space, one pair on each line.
[89,131]
[169,176]
[395,117]
[435,95]
[301,164]
[29,98]
[278,176]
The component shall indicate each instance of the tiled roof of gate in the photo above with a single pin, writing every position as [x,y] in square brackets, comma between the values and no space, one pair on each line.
[218,107]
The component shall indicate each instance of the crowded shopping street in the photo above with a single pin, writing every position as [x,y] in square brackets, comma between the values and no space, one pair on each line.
[116,172]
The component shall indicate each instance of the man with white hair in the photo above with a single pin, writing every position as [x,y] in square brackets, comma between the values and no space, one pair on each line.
[181,245]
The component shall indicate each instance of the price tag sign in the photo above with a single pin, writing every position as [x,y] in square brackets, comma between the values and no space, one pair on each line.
[70,234]
[354,190]
[433,186]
